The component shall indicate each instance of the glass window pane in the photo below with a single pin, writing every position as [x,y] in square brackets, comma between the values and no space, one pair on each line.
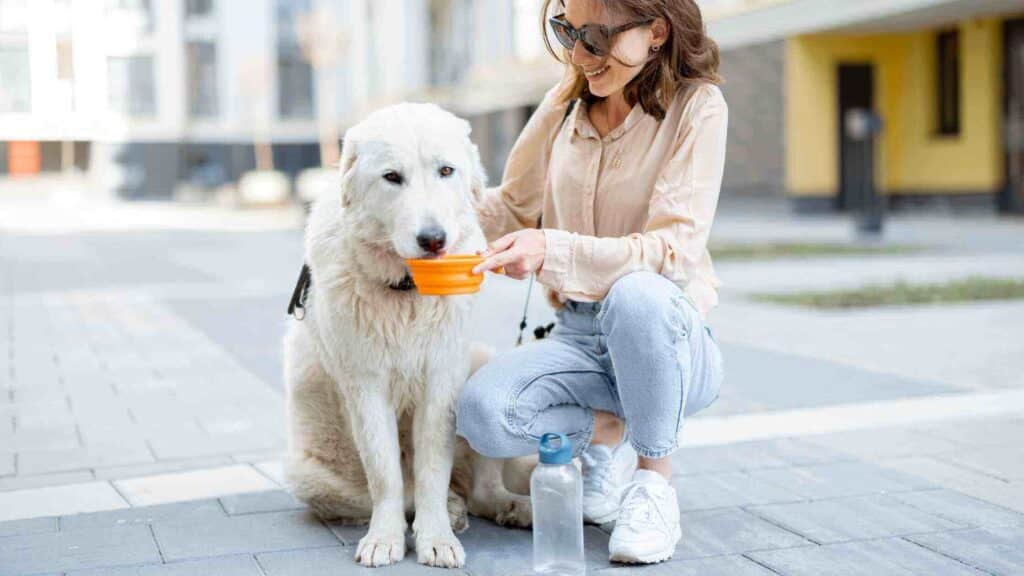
[130,82]
[16,95]
[202,79]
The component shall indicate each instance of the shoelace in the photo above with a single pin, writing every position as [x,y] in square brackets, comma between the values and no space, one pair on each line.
[596,473]
[640,505]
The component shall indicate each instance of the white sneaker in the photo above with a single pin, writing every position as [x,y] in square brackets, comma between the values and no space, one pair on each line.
[605,471]
[647,530]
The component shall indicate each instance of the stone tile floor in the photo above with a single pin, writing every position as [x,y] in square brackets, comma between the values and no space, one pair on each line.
[792,507]
[141,415]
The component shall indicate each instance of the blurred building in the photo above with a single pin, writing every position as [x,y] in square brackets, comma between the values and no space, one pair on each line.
[946,77]
[151,95]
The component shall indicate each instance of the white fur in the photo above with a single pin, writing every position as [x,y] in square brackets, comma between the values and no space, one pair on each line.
[373,373]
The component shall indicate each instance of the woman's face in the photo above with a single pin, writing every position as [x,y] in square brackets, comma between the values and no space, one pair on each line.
[607,75]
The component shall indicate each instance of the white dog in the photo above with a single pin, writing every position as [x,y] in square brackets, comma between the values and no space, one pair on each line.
[373,369]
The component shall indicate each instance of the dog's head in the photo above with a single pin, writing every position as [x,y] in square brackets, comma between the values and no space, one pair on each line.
[409,179]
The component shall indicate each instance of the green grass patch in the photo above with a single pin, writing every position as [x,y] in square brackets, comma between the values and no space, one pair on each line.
[771,250]
[975,288]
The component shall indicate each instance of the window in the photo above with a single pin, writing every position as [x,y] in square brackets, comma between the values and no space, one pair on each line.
[451,41]
[294,72]
[294,82]
[15,96]
[948,85]
[198,8]
[202,79]
[131,85]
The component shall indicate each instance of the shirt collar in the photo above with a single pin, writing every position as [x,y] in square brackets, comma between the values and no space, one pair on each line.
[581,121]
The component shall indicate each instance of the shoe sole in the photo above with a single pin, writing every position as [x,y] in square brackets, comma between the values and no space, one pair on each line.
[609,517]
[652,558]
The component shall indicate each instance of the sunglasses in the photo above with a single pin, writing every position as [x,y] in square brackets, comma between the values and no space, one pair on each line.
[596,38]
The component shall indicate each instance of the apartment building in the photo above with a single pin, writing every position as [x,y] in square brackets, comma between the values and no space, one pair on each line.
[945,76]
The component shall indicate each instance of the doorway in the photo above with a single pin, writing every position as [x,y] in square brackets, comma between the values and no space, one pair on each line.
[856,158]
[1012,197]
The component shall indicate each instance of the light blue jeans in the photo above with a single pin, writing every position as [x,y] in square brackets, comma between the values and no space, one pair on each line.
[643,353]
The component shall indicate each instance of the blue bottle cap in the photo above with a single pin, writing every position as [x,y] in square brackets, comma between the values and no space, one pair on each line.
[555,449]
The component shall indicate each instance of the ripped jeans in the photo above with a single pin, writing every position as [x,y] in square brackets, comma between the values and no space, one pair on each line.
[643,353]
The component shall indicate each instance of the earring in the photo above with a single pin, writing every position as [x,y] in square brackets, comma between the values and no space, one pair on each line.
[655,49]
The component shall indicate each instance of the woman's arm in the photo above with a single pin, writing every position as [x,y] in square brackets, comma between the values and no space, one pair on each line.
[516,203]
[679,219]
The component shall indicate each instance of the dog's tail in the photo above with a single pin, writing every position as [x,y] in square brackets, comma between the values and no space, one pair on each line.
[479,354]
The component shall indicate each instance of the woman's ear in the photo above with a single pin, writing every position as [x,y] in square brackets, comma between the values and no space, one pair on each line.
[347,168]
[659,32]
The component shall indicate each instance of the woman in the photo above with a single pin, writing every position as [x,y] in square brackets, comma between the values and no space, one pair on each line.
[626,181]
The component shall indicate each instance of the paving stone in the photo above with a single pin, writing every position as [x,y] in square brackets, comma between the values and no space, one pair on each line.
[1006,494]
[971,433]
[28,526]
[269,501]
[891,557]
[339,560]
[741,456]
[45,462]
[996,550]
[56,500]
[717,490]
[960,508]
[65,551]
[243,565]
[840,479]
[177,446]
[273,469]
[135,470]
[883,443]
[58,437]
[729,531]
[492,549]
[718,566]
[250,533]
[856,518]
[23,482]
[194,485]
[199,511]
[1003,462]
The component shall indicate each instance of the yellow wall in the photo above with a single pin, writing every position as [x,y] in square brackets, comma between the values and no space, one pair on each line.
[910,156]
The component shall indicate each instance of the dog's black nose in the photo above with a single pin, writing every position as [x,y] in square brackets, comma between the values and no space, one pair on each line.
[431,239]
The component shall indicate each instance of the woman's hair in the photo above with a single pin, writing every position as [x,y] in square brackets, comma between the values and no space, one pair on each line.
[688,57]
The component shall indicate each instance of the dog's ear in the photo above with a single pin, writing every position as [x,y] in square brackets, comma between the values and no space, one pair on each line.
[347,168]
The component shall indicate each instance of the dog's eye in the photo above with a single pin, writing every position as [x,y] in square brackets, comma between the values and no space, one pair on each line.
[446,171]
[393,177]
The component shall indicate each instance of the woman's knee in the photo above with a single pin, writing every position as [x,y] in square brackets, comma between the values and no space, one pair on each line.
[639,299]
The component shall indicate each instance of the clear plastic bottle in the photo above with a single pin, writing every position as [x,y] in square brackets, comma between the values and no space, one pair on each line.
[556,492]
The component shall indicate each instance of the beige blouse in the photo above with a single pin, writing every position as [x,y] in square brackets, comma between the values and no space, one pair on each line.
[641,198]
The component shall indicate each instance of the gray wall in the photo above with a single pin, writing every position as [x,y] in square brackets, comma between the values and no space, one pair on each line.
[755,90]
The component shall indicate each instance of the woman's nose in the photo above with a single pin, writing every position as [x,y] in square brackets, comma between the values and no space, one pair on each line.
[580,55]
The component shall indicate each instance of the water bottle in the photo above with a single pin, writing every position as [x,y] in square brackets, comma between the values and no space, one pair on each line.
[556,492]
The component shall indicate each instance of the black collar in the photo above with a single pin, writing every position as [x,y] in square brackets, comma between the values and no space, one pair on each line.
[405,285]
[297,305]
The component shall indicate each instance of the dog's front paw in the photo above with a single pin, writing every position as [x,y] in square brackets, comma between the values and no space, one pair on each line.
[441,550]
[514,512]
[381,548]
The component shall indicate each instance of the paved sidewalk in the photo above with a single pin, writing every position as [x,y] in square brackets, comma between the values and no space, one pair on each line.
[141,409]
[925,500]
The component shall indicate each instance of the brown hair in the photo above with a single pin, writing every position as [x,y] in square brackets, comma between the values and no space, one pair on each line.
[688,57]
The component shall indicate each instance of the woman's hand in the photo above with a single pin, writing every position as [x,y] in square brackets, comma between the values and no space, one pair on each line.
[521,253]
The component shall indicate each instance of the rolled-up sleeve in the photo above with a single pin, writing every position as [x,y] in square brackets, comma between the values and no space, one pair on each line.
[678,224]
[516,203]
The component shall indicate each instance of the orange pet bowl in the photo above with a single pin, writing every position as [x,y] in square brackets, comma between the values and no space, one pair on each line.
[447,276]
